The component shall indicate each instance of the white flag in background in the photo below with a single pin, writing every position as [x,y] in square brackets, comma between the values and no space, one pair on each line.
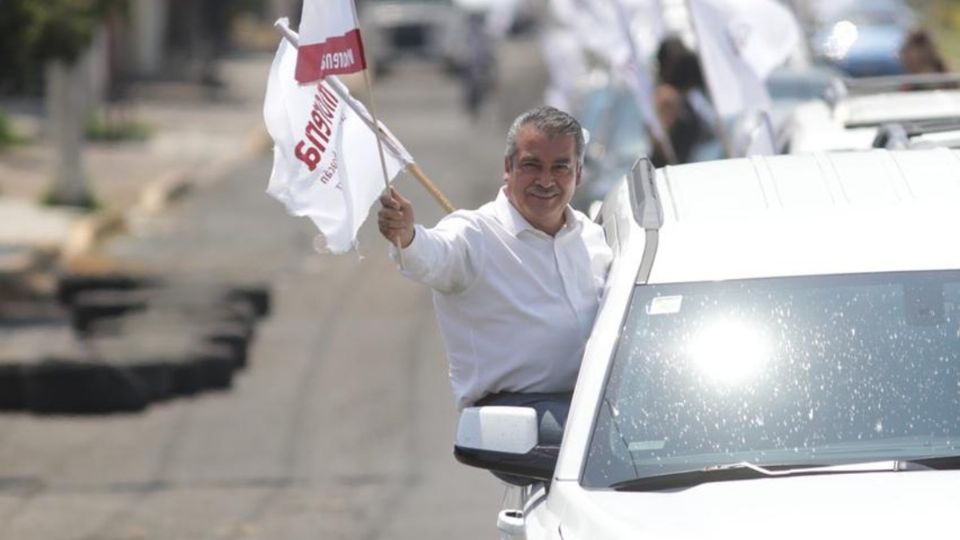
[741,42]
[760,138]
[330,41]
[599,26]
[636,69]
[566,64]
[325,162]
[622,32]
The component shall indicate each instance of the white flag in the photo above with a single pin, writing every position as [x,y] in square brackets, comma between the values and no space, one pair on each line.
[740,42]
[636,70]
[599,26]
[330,41]
[325,162]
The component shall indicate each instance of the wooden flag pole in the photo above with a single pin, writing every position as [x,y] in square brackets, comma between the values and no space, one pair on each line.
[337,86]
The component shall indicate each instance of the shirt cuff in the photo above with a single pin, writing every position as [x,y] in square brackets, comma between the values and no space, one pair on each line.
[413,253]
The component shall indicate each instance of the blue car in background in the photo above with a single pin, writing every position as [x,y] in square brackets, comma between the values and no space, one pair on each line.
[861,38]
[610,113]
[874,51]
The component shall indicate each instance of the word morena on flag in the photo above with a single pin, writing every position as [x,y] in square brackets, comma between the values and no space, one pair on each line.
[330,42]
[325,164]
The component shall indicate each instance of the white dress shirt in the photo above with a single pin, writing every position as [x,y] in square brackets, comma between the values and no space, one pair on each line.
[515,305]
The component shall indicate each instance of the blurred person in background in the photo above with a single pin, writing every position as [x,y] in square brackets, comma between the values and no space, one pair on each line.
[679,100]
[918,54]
[478,74]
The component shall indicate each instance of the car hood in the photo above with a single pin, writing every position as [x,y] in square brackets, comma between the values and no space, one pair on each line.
[866,505]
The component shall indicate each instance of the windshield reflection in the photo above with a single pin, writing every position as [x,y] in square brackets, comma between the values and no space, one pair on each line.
[811,370]
[729,351]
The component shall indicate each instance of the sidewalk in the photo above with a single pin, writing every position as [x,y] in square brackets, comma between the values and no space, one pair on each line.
[196,136]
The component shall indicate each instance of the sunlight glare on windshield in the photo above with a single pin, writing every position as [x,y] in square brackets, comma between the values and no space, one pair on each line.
[729,351]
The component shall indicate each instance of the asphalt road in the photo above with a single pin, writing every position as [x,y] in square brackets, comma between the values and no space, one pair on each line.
[343,424]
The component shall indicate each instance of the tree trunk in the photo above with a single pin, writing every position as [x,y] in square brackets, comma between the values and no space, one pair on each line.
[67,107]
[149,31]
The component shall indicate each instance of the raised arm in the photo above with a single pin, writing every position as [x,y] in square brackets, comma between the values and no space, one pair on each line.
[446,258]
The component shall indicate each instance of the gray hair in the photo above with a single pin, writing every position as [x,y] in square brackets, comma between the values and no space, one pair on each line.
[551,122]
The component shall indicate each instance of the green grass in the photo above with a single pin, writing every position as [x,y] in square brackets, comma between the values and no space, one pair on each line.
[7,135]
[104,129]
[88,202]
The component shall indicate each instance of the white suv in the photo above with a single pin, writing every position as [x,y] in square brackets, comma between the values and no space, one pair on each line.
[777,356]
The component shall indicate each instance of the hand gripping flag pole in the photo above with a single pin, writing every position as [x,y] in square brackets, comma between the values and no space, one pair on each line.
[383,135]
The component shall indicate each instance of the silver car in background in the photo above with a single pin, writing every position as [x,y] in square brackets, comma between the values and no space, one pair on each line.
[426,29]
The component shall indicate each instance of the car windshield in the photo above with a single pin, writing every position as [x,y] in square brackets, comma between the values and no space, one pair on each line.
[784,371]
[799,84]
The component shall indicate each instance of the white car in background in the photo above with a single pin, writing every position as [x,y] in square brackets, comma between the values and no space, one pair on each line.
[777,356]
[856,111]
[394,30]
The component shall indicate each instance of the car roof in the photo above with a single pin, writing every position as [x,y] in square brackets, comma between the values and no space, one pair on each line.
[849,120]
[872,110]
[825,213]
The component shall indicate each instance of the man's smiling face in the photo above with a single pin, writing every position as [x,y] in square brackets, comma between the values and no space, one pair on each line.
[542,177]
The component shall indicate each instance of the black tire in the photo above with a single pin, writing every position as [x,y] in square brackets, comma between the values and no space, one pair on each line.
[91,306]
[216,366]
[257,295]
[70,285]
[62,387]
[11,386]
[233,337]
[187,376]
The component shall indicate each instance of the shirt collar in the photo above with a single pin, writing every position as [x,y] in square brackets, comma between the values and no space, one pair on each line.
[515,223]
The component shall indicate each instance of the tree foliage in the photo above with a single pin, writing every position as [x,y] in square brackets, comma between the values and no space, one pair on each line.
[35,31]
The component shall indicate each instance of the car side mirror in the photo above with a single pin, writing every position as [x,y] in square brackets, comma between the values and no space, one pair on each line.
[504,440]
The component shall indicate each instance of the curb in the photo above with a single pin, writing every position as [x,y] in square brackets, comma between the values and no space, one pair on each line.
[91,230]
[155,197]
[163,191]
